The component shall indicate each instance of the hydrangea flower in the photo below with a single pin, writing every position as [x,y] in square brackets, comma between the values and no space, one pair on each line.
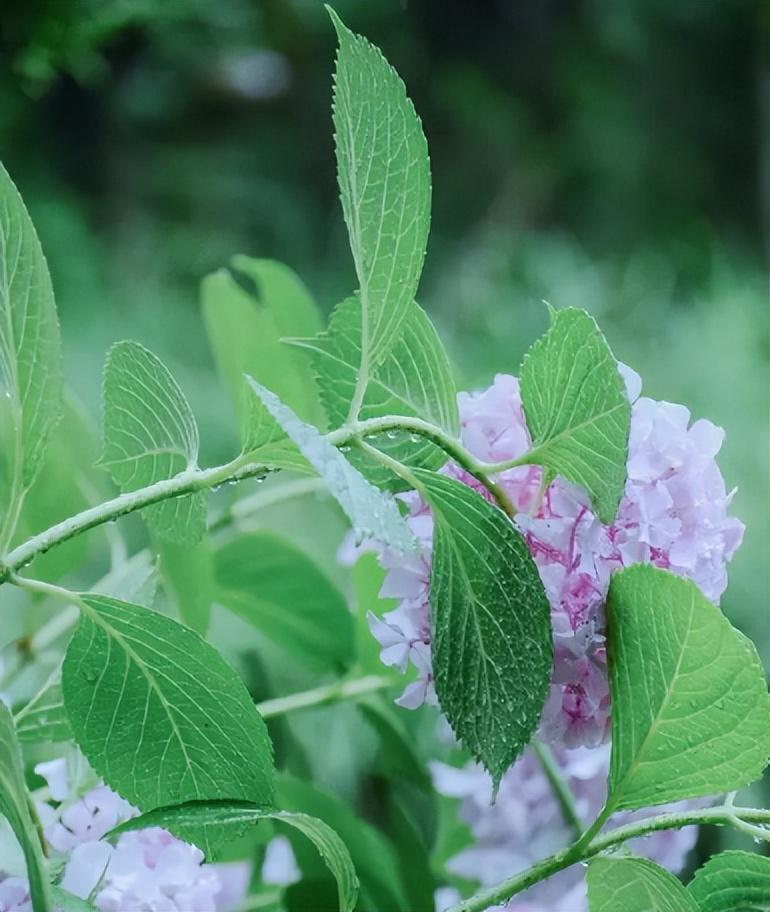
[673,514]
[526,824]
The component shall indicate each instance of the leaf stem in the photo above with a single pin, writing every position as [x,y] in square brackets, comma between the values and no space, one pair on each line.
[559,786]
[323,695]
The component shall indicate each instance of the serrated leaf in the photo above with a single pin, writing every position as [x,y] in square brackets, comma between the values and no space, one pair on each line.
[384,178]
[373,513]
[158,713]
[634,885]
[491,640]
[690,709]
[732,882]
[15,804]
[44,718]
[188,818]
[577,409]
[149,435]
[30,353]
[245,331]
[414,380]
[283,594]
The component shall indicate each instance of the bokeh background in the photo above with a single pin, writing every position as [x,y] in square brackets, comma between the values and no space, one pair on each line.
[609,155]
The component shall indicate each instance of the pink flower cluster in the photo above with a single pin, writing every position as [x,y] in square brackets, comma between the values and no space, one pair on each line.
[526,824]
[673,515]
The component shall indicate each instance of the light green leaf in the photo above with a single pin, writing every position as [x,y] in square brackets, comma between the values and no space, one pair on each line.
[68,902]
[491,635]
[245,329]
[150,434]
[188,818]
[384,177]
[158,713]
[577,409]
[15,806]
[732,882]
[367,578]
[188,578]
[44,719]
[283,593]
[690,709]
[373,513]
[30,354]
[634,885]
[414,380]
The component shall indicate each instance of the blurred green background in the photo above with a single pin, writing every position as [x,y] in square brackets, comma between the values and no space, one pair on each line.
[610,155]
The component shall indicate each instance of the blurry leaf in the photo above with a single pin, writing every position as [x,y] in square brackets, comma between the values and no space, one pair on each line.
[150,434]
[373,513]
[245,332]
[634,885]
[373,856]
[732,882]
[490,625]
[283,594]
[577,409]
[413,855]
[188,577]
[158,713]
[414,380]
[30,354]
[223,815]
[67,902]
[368,577]
[15,805]
[384,177]
[690,709]
[133,580]
[397,753]
[44,719]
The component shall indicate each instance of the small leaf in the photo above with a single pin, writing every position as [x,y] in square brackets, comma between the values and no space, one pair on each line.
[150,434]
[188,818]
[690,709]
[158,713]
[30,353]
[635,885]
[372,513]
[490,625]
[414,380]
[384,177]
[68,902]
[284,595]
[732,882]
[577,409]
[44,718]
[15,804]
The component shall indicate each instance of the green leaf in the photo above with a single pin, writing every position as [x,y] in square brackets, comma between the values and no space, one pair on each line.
[15,806]
[372,513]
[30,353]
[44,719]
[490,625]
[732,882]
[634,885]
[158,713]
[690,709]
[188,577]
[577,409]
[384,177]
[398,756]
[282,592]
[245,329]
[414,380]
[367,578]
[150,434]
[68,902]
[188,818]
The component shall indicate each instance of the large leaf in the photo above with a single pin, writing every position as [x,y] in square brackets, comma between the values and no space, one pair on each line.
[414,380]
[372,513]
[635,885]
[577,409]
[282,592]
[150,434]
[15,806]
[384,178]
[158,713]
[690,709]
[245,328]
[30,354]
[732,882]
[490,625]
[44,719]
[224,815]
